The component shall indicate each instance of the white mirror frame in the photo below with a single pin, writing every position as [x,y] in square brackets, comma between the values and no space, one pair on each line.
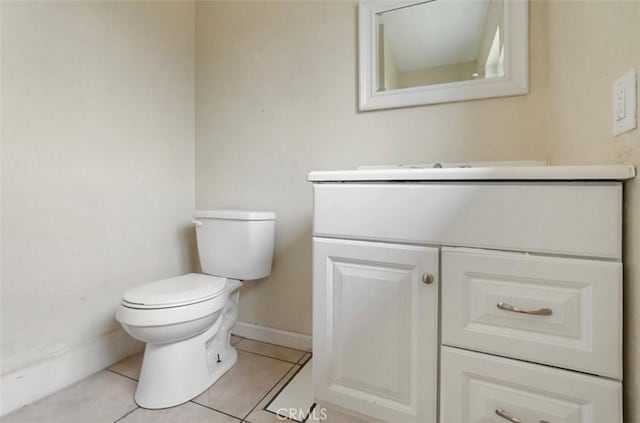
[514,81]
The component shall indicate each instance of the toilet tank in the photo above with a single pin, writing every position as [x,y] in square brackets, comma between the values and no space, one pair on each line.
[235,244]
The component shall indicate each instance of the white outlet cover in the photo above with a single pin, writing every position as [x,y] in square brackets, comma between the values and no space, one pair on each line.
[629,121]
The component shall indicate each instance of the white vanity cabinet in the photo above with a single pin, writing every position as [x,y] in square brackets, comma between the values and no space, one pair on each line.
[491,295]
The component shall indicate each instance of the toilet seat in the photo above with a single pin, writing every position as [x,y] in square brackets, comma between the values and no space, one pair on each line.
[180,291]
[150,317]
[175,300]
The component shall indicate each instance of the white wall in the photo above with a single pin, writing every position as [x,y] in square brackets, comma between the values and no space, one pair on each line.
[97,165]
[590,45]
[276,97]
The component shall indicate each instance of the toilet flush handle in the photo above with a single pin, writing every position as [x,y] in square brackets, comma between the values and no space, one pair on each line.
[197,223]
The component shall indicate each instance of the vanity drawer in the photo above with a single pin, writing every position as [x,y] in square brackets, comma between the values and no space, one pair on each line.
[476,388]
[558,311]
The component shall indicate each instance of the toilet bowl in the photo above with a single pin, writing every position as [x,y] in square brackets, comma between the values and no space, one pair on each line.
[186,321]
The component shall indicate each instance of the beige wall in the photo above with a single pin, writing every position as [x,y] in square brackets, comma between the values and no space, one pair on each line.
[97,164]
[276,97]
[590,45]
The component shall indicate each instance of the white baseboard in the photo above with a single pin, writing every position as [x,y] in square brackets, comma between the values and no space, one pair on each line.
[43,378]
[284,338]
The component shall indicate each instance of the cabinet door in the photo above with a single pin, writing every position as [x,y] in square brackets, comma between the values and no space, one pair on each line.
[375,326]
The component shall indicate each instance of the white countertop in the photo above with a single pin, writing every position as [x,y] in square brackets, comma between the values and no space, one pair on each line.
[480,173]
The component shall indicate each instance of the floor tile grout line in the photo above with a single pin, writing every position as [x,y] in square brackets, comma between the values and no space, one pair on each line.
[301,366]
[284,386]
[123,375]
[302,360]
[268,356]
[216,410]
[270,389]
[122,417]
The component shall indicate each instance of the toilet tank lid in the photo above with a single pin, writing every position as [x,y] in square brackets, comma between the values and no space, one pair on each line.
[234,214]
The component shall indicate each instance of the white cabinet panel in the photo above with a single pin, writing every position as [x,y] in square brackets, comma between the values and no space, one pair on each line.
[480,388]
[580,218]
[568,311]
[375,329]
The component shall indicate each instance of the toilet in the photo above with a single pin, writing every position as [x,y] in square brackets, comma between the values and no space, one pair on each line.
[186,321]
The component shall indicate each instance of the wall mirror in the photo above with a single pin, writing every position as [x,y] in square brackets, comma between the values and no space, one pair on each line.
[439,51]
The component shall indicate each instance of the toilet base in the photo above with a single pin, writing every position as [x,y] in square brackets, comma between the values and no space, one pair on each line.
[177,372]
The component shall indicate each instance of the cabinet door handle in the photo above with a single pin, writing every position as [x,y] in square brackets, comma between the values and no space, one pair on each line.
[427,278]
[500,412]
[539,312]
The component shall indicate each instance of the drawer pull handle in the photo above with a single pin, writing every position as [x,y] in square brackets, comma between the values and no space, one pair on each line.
[539,312]
[500,412]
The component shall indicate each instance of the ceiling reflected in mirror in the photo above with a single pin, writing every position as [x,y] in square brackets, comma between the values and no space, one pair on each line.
[438,42]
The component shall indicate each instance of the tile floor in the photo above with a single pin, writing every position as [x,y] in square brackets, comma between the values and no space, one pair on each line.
[239,396]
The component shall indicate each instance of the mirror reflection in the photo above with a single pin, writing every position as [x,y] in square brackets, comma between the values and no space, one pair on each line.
[440,41]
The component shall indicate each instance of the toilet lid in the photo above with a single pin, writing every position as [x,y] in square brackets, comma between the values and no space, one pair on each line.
[172,292]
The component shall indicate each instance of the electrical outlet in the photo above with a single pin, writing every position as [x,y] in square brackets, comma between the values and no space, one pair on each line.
[624,103]
[619,100]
